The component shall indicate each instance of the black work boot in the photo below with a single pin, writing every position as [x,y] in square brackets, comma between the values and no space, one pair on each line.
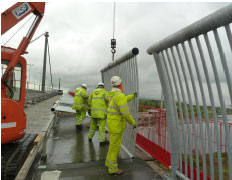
[119,172]
[78,127]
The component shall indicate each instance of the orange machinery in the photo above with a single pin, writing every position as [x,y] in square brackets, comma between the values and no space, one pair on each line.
[13,84]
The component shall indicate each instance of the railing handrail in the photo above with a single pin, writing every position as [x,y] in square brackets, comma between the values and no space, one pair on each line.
[215,20]
[133,52]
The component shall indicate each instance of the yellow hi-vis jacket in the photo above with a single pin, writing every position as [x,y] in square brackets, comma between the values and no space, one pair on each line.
[98,102]
[118,112]
[80,99]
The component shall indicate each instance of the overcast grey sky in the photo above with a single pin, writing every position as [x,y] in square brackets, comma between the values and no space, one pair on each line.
[80,36]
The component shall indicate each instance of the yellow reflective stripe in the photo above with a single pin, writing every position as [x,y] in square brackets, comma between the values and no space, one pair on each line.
[123,106]
[117,108]
[114,99]
[115,113]
[126,112]
[113,168]
[111,107]
[97,97]
[111,162]
[98,110]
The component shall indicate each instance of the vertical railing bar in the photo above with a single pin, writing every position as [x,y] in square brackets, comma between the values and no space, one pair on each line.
[136,99]
[212,105]
[222,103]
[191,108]
[174,105]
[205,109]
[133,101]
[186,113]
[170,114]
[180,109]
[124,88]
[122,75]
[131,105]
[229,35]
[224,62]
[128,92]
[198,110]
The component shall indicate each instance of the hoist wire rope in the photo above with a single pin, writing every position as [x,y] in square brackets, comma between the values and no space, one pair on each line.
[114,19]
[18,30]
[50,65]
[113,46]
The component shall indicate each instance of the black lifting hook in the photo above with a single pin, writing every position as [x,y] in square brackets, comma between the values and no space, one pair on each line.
[113,45]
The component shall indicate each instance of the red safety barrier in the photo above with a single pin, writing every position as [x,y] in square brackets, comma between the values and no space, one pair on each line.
[194,172]
[72,93]
[153,137]
[154,150]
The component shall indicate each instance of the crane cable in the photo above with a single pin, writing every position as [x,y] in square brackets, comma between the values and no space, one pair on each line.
[114,20]
[17,30]
[113,41]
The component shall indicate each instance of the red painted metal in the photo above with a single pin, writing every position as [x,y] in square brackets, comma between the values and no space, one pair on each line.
[155,150]
[13,118]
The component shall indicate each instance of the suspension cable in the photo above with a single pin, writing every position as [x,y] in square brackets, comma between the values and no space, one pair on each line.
[18,30]
[50,65]
[113,41]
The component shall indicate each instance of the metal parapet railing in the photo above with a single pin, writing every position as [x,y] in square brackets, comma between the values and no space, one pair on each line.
[126,68]
[189,62]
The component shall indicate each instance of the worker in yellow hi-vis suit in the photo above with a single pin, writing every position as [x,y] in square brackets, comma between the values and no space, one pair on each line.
[117,115]
[97,103]
[79,105]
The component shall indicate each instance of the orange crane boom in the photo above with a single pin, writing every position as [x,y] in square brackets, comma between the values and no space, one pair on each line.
[13,117]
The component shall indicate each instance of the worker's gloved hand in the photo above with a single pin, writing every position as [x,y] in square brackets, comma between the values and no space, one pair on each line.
[136,94]
[134,127]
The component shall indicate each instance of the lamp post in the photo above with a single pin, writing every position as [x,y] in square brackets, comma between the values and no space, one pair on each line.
[29,74]
[40,79]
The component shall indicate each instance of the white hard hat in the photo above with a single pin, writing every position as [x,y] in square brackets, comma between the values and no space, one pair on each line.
[115,81]
[84,85]
[100,84]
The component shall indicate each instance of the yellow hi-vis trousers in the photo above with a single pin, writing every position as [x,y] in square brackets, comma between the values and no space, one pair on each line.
[113,151]
[80,116]
[93,127]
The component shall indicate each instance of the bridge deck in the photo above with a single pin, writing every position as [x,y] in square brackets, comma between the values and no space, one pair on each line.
[71,156]
[70,152]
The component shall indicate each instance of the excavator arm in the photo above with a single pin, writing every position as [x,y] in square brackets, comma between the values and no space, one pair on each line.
[10,18]
[18,12]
